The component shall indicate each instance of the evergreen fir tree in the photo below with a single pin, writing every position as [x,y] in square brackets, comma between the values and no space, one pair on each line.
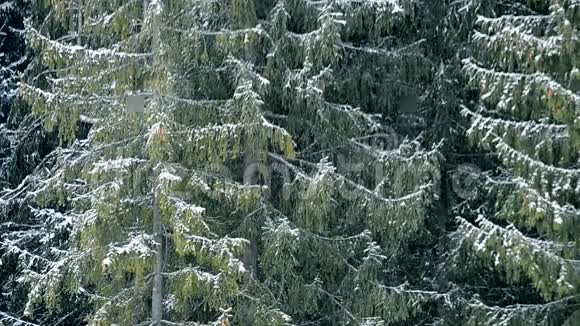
[287,168]
[24,146]
[12,62]
[11,54]
[130,190]
[522,232]
[233,200]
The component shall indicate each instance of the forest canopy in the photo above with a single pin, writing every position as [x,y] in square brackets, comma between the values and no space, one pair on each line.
[289,162]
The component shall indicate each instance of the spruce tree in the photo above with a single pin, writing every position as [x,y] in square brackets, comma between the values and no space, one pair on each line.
[521,236]
[23,148]
[10,54]
[287,168]
[12,62]
[266,182]
[142,250]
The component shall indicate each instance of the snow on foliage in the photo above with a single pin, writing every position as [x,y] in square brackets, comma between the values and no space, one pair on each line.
[117,165]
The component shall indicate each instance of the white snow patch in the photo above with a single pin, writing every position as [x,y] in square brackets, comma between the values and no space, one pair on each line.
[106,263]
[107,19]
[166,176]
[139,244]
[117,164]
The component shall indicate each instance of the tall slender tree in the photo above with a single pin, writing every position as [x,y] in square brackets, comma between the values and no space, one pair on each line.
[130,191]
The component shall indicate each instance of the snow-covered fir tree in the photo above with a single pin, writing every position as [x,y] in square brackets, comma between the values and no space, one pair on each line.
[131,189]
[521,234]
[27,237]
[11,53]
[266,182]
[288,167]
[12,61]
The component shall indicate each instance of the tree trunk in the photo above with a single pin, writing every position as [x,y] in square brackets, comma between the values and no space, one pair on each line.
[156,304]
[79,21]
[157,294]
[157,291]
[254,173]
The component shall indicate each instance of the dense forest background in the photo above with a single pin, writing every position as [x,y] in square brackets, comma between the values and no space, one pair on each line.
[297,162]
